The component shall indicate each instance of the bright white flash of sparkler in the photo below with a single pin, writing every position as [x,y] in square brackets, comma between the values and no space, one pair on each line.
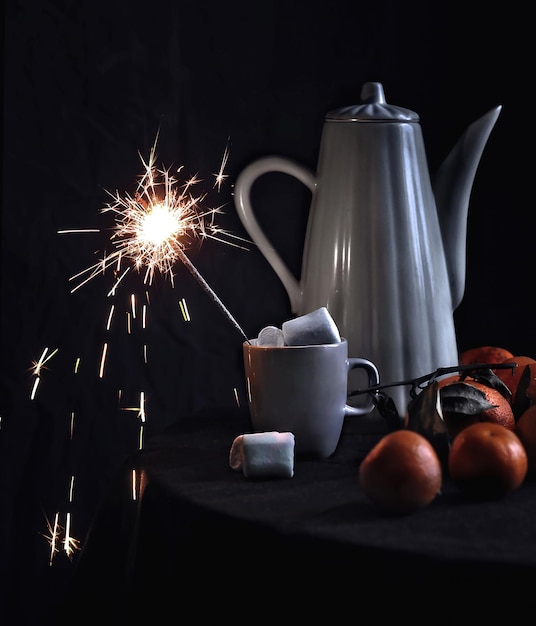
[155,225]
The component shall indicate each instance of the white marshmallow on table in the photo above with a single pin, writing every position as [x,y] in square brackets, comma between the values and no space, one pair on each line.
[270,336]
[313,328]
[263,455]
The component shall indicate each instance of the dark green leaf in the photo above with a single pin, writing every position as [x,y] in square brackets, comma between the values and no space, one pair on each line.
[489,378]
[387,409]
[424,412]
[425,417]
[463,398]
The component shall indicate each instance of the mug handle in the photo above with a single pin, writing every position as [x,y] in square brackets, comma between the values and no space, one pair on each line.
[242,198]
[373,380]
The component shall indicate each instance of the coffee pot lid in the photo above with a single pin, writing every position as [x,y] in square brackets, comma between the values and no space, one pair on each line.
[373,107]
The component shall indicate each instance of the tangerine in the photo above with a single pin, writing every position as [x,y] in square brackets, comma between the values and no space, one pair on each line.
[487,461]
[526,431]
[485,354]
[401,473]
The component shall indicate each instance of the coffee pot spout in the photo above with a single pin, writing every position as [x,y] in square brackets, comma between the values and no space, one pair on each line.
[452,185]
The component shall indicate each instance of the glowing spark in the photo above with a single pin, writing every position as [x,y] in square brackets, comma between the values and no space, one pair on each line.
[132,408]
[140,444]
[66,542]
[134,494]
[144,316]
[34,388]
[142,406]
[37,366]
[220,176]
[70,544]
[133,305]
[77,365]
[53,537]
[236,396]
[184,310]
[71,425]
[103,360]
[112,290]
[78,230]
[248,389]
[110,315]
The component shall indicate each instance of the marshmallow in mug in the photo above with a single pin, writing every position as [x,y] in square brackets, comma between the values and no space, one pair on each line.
[271,336]
[316,327]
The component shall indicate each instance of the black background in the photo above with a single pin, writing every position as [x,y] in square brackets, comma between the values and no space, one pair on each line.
[87,87]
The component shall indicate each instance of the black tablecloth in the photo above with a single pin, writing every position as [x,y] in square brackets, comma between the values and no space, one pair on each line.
[199,536]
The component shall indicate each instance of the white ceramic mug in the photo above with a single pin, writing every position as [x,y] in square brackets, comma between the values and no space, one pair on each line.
[303,390]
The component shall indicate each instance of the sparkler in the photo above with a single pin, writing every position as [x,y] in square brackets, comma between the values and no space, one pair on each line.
[152,229]
[154,225]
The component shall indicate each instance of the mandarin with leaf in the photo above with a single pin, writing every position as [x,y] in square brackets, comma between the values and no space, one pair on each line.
[465,401]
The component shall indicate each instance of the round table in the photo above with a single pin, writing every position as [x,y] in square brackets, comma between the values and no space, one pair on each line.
[200,536]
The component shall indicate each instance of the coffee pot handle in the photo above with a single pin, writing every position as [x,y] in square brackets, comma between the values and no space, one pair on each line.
[242,199]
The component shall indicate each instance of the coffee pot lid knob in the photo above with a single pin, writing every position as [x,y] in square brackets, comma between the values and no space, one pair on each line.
[372,93]
[373,107]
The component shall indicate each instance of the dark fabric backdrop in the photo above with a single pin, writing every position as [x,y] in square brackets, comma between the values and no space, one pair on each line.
[88,85]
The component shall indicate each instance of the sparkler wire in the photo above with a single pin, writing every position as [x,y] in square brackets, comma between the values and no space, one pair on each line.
[192,269]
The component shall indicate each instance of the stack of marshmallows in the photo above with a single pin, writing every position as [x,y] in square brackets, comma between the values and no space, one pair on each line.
[271,454]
